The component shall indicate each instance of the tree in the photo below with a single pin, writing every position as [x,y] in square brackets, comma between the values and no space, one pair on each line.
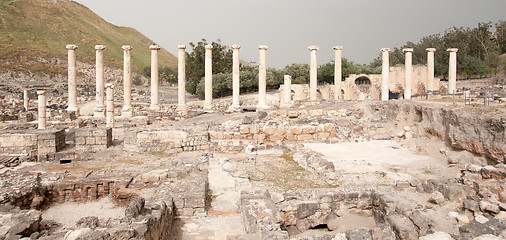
[298,71]
[195,62]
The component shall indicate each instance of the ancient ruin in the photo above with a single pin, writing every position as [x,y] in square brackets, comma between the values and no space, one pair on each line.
[396,155]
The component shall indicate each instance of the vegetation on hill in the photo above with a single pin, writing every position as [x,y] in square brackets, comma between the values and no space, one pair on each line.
[32,32]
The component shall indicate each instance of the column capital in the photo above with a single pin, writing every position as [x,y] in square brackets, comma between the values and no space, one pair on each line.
[407,50]
[71,47]
[236,46]
[263,47]
[99,47]
[338,47]
[313,48]
[181,46]
[452,50]
[385,49]
[154,47]
[209,47]
[41,92]
[430,50]
[127,47]
[109,85]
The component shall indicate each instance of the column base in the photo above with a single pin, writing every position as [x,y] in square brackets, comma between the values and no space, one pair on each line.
[154,108]
[74,109]
[262,107]
[234,108]
[99,113]
[127,113]
[208,109]
[182,109]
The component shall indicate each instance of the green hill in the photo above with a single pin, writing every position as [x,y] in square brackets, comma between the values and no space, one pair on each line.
[34,31]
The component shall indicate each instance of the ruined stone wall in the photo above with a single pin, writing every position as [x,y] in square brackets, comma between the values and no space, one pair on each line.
[170,140]
[41,143]
[93,139]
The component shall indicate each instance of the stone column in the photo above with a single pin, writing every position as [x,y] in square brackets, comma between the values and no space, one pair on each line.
[262,78]
[110,105]
[287,92]
[408,69]
[155,106]
[208,79]
[313,74]
[338,72]
[72,79]
[100,95]
[385,74]
[42,109]
[235,79]
[181,80]
[430,69]
[126,111]
[452,71]
[25,99]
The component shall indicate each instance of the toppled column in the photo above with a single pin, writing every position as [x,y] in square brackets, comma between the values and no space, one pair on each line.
[100,96]
[72,79]
[42,109]
[452,71]
[181,81]
[313,74]
[155,106]
[235,78]
[338,72]
[385,74]
[25,99]
[262,78]
[126,111]
[408,69]
[208,79]
[287,92]
[110,105]
[430,69]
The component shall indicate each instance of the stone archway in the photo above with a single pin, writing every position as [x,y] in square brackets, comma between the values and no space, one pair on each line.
[363,84]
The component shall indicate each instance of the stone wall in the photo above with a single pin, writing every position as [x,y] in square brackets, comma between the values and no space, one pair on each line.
[93,139]
[169,141]
[34,143]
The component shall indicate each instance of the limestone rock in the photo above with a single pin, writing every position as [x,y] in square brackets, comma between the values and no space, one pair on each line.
[489,207]
[359,234]
[403,227]
[437,236]
[383,232]
[135,207]
[87,222]
[436,198]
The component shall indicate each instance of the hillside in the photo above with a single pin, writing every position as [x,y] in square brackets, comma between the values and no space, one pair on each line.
[35,32]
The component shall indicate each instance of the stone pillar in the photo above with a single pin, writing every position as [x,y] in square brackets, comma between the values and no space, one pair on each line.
[110,105]
[452,71]
[287,92]
[262,78]
[385,74]
[126,111]
[155,106]
[235,79]
[208,79]
[408,69]
[181,81]
[72,79]
[25,99]
[100,94]
[338,72]
[313,74]
[430,69]
[42,109]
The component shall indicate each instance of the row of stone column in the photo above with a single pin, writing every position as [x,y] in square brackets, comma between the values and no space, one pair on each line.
[452,73]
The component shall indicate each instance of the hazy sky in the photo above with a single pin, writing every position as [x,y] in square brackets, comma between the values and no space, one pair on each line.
[362,27]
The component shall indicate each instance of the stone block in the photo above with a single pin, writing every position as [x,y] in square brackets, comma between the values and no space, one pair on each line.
[296,130]
[308,129]
[269,130]
[305,137]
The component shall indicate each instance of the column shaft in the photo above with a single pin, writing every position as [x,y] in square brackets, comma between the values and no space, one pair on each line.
[72,78]
[127,82]
[287,92]
[181,80]
[262,78]
[313,74]
[155,106]
[25,99]
[110,106]
[100,93]
[42,109]
[338,75]
[385,74]
[235,78]
[408,69]
[430,69]
[208,79]
[452,71]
